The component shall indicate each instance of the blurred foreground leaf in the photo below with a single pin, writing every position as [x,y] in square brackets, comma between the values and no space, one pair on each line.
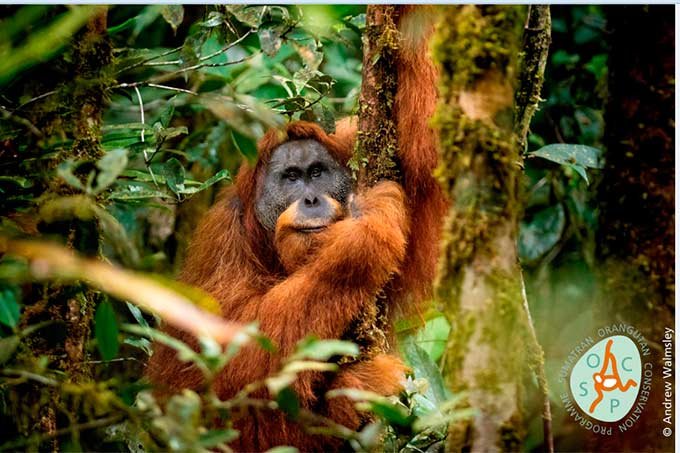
[50,261]
[42,44]
[106,330]
[9,306]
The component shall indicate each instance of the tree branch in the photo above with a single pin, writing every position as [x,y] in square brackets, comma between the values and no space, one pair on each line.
[535,48]
[534,57]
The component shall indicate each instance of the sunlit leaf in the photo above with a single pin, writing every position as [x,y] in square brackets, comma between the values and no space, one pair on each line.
[249,15]
[162,133]
[110,166]
[173,15]
[311,348]
[131,192]
[215,18]
[372,434]
[432,338]
[219,176]
[216,437]
[270,41]
[391,413]
[65,171]
[283,449]
[106,330]
[20,181]
[423,367]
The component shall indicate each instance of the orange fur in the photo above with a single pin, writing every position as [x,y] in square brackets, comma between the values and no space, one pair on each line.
[415,104]
[296,286]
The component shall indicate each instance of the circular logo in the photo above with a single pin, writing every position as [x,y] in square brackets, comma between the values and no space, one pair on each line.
[605,381]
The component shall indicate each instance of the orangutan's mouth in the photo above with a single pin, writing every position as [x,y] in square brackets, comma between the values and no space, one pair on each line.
[311,229]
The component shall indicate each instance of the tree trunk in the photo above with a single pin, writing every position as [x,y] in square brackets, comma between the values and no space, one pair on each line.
[637,198]
[377,136]
[375,154]
[77,115]
[492,346]
[396,142]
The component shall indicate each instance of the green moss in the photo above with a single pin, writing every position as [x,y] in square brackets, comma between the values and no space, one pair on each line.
[376,148]
[462,329]
[480,175]
[472,40]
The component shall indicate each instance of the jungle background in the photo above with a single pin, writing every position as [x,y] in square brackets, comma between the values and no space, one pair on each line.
[120,124]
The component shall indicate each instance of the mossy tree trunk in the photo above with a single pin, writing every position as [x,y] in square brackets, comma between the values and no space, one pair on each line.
[637,225]
[492,347]
[72,115]
[377,136]
[375,154]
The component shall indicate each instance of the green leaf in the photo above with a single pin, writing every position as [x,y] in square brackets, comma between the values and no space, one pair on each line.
[137,193]
[249,15]
[162,133]
[122,26]
[20,181]
[283,449]
[65,171]
[173,15]
[312,348]
[581,171]
[106,330]
[597,65]
[371,435]
[270,41]
[564,58]
[359,21]
[245,145]
[393,414]
[42,43]
[215,19]
[433,336]
[137,314]
[168,111]
[110,166]
[265,343]
[174,174]
[288,402]
[9,306]
[219,176]
[216,437]
[424,368]
[7,347]
[541,232]
[138,23]
[563,153]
